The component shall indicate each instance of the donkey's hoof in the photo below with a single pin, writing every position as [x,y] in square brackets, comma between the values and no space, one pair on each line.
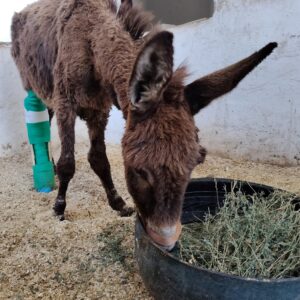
[59,207]
[126,211]
[117,203]
[61,218]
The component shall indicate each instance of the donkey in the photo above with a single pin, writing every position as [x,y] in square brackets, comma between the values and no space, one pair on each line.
[83,56]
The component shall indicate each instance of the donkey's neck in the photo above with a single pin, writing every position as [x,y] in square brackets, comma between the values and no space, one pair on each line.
[114,57]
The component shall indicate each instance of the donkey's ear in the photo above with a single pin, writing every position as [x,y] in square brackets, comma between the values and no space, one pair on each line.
[152,72]
[201,92]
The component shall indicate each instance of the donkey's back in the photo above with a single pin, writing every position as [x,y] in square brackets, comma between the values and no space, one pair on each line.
[49,27]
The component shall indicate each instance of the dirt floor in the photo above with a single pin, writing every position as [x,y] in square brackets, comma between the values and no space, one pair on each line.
[91,254]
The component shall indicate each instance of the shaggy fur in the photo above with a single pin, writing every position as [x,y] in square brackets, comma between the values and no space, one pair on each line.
[80,56]
[135,20]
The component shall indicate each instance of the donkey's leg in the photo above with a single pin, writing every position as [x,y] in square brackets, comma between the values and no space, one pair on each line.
[100,164]
[51,115]
[65,167]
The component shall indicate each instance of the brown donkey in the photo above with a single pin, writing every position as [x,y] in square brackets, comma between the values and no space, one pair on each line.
[80,57]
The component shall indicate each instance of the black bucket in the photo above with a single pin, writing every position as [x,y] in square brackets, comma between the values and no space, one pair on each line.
[166,277]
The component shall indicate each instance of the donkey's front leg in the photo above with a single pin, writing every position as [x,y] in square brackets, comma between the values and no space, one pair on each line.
[65,167]
[100,164]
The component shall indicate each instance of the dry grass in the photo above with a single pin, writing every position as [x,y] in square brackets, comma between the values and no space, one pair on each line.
[90,255]
[254,236]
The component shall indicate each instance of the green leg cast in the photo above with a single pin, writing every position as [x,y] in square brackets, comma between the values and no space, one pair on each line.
[38,129]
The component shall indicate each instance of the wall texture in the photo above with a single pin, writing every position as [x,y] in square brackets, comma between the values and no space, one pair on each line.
[12,120]
[260,120]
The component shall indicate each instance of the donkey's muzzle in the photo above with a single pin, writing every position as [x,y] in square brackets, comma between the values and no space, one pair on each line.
[165,237]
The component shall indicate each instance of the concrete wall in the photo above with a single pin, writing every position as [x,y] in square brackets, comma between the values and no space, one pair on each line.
[260,120]
[12,121]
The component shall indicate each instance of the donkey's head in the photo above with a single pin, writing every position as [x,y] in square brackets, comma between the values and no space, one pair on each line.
[160,145]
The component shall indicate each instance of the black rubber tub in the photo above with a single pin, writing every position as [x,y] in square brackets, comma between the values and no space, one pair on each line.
[166,277]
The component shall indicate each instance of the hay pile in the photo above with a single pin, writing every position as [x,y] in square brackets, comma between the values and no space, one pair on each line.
[91,254]
[251,236]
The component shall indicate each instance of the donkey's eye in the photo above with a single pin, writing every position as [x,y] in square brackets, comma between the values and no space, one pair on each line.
[143,174]
[146,175]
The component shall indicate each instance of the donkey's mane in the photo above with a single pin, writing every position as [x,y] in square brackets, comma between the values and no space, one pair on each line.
[135,20]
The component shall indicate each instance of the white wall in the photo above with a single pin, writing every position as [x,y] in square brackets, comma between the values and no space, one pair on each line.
[12,122]
[260,120]
[7,9]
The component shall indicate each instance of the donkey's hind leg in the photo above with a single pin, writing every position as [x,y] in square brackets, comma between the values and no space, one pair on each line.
[65,167]
[97,158]
[51,115]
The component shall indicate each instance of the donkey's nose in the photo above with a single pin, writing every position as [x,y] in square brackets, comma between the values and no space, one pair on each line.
[165,237]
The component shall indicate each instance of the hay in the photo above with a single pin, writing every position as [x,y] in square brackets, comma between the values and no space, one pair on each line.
[250,236]
[41,258]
